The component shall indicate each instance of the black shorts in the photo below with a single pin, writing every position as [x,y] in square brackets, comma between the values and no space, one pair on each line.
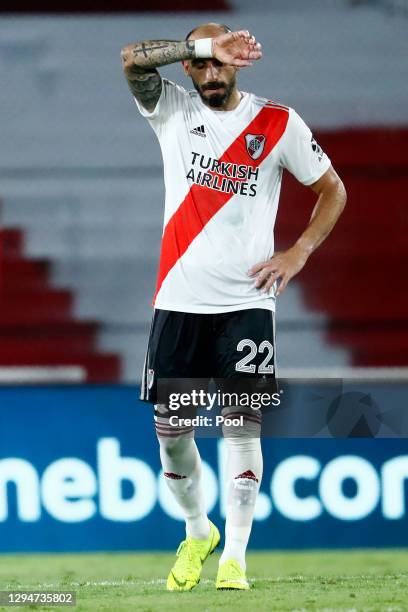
[222,346]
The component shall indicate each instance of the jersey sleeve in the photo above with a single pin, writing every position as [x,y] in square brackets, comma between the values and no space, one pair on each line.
[301,154]
[171,100]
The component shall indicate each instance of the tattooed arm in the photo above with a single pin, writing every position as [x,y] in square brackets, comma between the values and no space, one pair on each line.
[141,60]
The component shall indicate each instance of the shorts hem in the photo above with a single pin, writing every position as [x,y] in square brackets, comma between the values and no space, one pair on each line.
[264,305]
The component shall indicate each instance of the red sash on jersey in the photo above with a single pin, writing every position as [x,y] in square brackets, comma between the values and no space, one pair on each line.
[202,203]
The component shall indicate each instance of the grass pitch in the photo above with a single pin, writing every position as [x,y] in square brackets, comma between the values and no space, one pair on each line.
[353,581]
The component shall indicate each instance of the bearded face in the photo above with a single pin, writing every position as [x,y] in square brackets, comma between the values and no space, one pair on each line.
[215,93]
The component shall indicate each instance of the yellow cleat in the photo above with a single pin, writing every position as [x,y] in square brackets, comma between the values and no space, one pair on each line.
[231,576]
[191,554]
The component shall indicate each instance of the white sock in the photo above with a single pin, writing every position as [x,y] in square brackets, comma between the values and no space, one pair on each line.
[182,470]
[244,474]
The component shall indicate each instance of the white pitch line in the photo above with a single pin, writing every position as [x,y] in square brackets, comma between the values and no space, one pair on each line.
[93,583]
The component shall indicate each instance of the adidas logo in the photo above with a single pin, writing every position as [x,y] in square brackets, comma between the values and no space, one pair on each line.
[199,131]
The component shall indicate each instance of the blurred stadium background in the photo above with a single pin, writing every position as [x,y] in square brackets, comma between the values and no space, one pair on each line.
[81,213]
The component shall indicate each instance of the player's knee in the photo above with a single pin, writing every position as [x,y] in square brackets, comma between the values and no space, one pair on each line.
[171,446]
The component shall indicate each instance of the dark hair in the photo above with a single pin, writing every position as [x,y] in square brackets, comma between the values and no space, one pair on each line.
[221,25]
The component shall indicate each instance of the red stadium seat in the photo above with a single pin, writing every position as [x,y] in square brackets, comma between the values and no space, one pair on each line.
[37,327]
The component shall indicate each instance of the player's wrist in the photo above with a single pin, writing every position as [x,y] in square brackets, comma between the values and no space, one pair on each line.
[204,48]
[303,248]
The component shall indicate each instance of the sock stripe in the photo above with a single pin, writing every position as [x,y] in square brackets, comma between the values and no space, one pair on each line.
[165,427]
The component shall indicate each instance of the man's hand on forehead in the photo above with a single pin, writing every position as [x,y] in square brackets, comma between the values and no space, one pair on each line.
[238,49]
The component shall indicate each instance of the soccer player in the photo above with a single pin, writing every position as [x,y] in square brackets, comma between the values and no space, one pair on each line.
[224,151]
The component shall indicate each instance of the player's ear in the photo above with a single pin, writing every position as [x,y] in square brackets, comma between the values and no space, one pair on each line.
[186,67]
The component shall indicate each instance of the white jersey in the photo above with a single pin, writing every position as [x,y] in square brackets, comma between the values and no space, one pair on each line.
[223,173]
